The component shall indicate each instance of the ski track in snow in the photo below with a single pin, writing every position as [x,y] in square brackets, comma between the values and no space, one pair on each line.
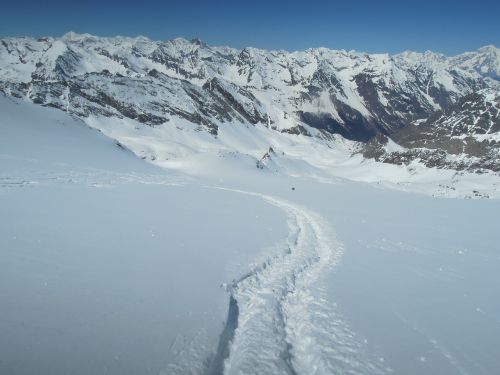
[283,322]
[279,319]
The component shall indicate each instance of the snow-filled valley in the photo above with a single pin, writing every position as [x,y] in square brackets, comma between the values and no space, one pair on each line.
[247,253]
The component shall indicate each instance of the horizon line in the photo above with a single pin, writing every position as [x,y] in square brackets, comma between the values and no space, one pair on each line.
[201,41]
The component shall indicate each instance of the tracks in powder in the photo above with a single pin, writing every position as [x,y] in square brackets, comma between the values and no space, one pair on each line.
[279,320]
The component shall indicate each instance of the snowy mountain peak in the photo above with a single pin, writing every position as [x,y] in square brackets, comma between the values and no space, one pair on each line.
[314,92]
[485,61]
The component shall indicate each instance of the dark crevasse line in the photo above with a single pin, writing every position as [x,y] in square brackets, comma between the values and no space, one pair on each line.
[225,339]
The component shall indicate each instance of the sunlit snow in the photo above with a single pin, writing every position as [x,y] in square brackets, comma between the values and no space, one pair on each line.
[196,261]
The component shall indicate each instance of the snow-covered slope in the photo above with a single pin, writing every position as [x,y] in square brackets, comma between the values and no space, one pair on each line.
[37,139]
[263,261]
[485,61]
[99,273]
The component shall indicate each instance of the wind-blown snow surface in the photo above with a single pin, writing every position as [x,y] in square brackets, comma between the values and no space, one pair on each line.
[111,265]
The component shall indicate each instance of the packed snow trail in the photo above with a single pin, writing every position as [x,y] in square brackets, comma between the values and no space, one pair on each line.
[279,321]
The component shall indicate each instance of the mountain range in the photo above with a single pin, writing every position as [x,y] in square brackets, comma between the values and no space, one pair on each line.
[441,111]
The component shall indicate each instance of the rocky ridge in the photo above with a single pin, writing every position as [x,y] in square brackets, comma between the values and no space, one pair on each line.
[442,111]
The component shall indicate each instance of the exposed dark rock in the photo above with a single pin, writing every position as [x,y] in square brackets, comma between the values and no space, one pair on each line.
[448,138]
[356,128]
[361,97]
[297,130]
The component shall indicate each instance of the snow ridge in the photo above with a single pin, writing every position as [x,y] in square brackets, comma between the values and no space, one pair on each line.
[284,323]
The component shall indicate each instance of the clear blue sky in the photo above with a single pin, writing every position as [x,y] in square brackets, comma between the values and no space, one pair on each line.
[450,27]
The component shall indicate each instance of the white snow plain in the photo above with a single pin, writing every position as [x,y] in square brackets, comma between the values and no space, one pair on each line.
[112,265]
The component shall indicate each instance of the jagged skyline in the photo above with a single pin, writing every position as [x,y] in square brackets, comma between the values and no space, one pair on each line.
[364,26]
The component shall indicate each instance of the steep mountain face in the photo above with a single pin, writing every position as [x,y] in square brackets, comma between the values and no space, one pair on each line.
[465,136]
[82,77]
[353,94]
